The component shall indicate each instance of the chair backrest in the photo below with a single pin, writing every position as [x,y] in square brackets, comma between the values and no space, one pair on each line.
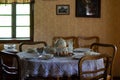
[108,49]
[10,71]
[85,73]
[73,39]
[85,42]
[37,44]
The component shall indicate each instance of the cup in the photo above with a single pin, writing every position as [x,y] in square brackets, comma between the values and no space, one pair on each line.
[9,46]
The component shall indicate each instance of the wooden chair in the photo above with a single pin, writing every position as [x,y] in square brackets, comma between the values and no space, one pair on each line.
[10,72]
[26,45]
[108,49]
[98,73]
[85,42]
[67,38]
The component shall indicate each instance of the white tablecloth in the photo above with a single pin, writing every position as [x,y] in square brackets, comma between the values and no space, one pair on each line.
[55,67]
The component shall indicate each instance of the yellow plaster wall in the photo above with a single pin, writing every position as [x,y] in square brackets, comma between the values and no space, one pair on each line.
[48,24]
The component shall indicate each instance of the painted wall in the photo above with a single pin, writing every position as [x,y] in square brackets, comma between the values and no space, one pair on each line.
[48,24]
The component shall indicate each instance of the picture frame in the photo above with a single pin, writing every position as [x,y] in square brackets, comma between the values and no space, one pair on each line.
[62,9]
[49,0]
[88,8]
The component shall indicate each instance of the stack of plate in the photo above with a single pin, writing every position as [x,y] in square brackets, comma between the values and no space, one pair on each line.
[80,52]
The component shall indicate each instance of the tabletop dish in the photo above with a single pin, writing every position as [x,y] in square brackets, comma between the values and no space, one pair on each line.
[92,53]
[77,56]
[42,57]
[46,56]
[80,53]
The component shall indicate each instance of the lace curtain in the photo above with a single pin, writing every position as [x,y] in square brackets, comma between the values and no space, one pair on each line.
[16,1]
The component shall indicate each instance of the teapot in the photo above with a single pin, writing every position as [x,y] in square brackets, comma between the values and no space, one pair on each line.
[60,43]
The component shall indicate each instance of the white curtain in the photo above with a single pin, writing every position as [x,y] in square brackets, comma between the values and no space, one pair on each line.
[16,1]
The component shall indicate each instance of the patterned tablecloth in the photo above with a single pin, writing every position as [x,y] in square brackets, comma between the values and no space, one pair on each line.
[55,67]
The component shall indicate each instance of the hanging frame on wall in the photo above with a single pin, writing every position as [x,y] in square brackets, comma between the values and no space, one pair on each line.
[62,9]
[88,8]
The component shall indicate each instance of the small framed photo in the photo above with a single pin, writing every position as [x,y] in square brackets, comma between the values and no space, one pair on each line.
[88,8]
[62,9]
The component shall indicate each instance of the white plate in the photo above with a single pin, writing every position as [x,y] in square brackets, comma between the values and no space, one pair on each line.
[92,53]
[77,56]
[76,53]
[46,56]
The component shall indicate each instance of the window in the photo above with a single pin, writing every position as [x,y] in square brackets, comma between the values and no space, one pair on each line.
[16,22]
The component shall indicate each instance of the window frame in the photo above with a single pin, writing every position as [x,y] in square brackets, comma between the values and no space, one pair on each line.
[18,40]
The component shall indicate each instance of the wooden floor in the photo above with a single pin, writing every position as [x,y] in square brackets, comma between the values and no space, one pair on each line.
[116,78]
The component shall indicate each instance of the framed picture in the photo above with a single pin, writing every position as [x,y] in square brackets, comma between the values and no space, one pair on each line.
[88,8]
[49,0]
[62,9]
